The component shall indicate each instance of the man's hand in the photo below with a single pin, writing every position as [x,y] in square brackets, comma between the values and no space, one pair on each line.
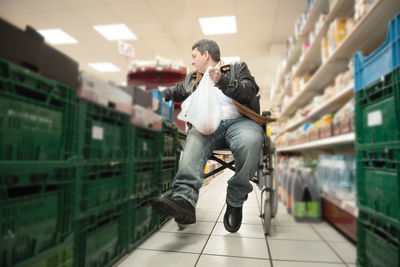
[215,74]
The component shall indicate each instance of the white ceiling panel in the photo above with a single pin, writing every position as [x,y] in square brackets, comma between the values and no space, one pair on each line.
[167,28]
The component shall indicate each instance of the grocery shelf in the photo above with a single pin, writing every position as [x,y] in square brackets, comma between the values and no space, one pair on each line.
[350,206]
[366,35]
[330,106]
[344,139]
[312,59]
[342,214]
[152,77]
[313,16]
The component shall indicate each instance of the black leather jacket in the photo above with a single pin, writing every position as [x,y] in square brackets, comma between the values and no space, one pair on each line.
[236,82]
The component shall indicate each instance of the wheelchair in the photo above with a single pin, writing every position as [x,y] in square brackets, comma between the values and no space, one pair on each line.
[265,177]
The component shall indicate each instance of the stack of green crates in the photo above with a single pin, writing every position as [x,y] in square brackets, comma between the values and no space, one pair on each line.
[37,159]
[101,192]
[169,155]
[378,171]
[145,155]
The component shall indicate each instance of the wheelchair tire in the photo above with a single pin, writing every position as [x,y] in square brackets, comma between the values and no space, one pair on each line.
[267,213]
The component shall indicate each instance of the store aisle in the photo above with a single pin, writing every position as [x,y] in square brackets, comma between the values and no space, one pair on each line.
[207,243]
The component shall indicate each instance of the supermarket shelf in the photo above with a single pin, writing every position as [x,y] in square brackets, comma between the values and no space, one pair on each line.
[346,205]
[319,7]
[343,215]
[344,139]
[367,35]
[312,59]
[295,52]
[152,77]
[331,106]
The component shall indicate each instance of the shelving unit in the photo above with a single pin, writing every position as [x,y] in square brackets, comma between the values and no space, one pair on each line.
[344,139]
[368,34]
[330,106]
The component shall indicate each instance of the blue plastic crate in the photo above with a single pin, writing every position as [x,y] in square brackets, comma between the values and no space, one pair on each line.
[166,108]
[382,61]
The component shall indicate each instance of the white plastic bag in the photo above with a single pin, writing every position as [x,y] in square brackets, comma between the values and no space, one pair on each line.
[202,108]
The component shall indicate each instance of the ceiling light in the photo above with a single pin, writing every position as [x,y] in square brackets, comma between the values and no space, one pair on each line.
[57,36]
[218,25]
[227,60]
[104,67]
[115,32]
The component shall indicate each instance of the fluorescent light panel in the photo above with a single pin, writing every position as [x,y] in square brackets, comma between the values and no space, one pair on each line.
[57,36]
[115,32]
[104,67]
[218,25]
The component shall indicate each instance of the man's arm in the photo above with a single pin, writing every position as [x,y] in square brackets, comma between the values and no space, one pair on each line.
[240,86]
[179,92]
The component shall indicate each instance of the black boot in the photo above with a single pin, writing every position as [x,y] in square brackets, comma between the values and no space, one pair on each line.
[177,207]
[232,218]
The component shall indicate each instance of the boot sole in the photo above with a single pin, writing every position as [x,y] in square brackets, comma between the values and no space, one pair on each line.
[165,207]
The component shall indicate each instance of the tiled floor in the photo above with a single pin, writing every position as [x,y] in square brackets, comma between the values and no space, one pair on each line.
[207,243]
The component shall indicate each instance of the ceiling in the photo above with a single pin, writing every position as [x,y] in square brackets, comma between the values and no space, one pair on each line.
[167,28]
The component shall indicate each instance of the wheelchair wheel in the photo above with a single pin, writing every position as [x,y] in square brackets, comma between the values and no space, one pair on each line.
[267,213]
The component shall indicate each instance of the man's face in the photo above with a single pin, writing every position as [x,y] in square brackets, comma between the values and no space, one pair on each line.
[199,60]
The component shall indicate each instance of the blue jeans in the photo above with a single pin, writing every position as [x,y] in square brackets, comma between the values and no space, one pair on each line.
[243,136]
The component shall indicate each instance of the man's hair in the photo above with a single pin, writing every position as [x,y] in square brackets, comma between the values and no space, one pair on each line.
[210,46]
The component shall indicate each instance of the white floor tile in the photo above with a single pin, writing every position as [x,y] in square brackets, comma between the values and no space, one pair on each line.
[346,250]
[246,230]
[301,251]
[202,228]
[207,216]
[151,258]
[234,246]
[329,233]
[305,264]
[292,232]
[222,261]
[175,242]
[291,244]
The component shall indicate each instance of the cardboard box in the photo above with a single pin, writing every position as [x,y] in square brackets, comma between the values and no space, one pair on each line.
[28,49]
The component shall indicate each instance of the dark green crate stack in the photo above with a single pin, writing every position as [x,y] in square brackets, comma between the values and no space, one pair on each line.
[169,155]
[145,156]
[101,193]
[38,148]
[378,172]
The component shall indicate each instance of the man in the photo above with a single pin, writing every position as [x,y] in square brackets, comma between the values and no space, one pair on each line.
[242,135]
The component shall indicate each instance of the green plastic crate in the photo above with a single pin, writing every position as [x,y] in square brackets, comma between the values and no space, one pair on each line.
[378,242]
[377,112]
[169,139]
[378,181]
[103,132]
[35,208]
[58,256]
[100,185]
[144,144]
[146,221]
[168,172]
[99,238]
[37,116]
[145,182]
